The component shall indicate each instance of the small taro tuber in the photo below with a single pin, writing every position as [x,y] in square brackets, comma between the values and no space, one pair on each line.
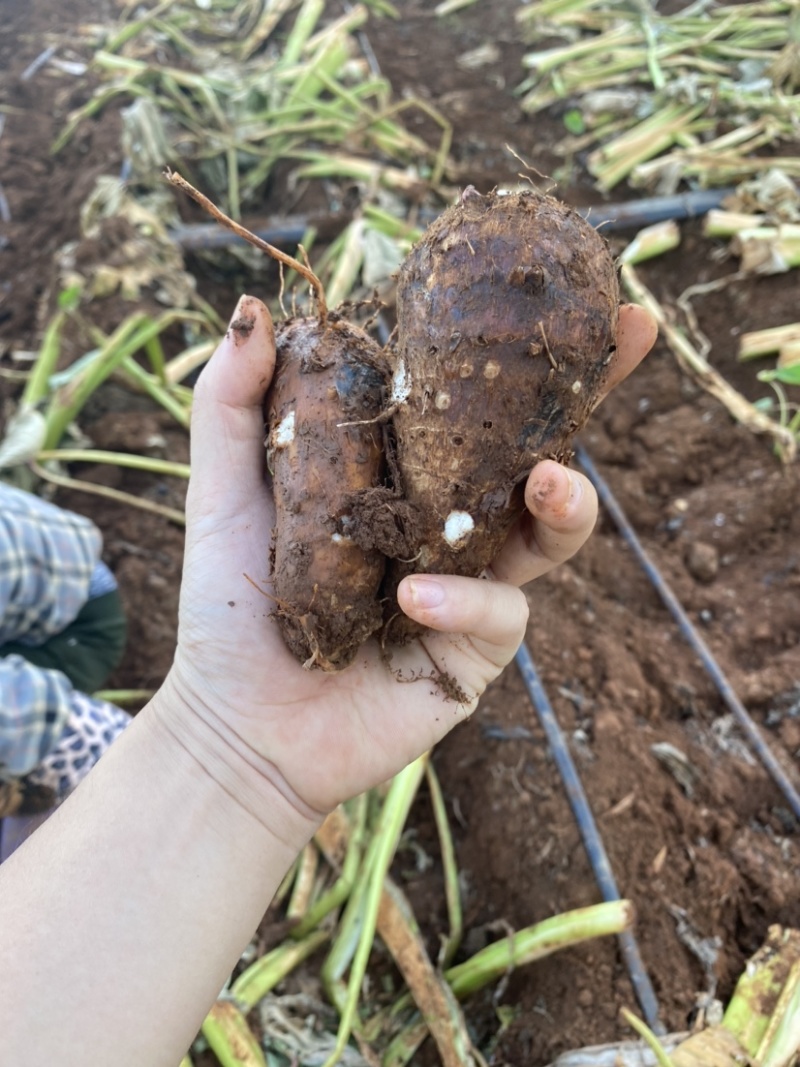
[325,444]
[507,314]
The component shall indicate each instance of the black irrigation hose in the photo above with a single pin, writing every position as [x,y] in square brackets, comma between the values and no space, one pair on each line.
[593,843]
[689,631]
[631,214]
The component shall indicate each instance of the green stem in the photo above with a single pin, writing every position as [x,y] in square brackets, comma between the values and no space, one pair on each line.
[525,946]
[304,25]
[254,983]
[450,865]
[68,401]
[234,201]
[341,889]
[376,865]
[172,514]
[535,942]
[148,383]
[119,459]
[38,383]
[652,241]
[230,1038]
[647,1035]
[125,696]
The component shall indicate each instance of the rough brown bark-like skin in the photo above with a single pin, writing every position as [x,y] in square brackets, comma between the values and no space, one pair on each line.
[327,586]
[507,315]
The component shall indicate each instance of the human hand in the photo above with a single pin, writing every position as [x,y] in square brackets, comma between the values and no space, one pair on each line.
[260,722]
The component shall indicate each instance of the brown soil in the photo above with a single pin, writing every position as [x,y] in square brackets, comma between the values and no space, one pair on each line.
[713,506]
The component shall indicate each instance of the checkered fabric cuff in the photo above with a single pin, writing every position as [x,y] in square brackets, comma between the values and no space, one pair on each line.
[92,727]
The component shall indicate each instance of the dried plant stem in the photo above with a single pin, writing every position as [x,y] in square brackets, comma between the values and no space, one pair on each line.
[711,380]
[764,342]
[282,257]
[304,884]
[113,494]
[443,1016]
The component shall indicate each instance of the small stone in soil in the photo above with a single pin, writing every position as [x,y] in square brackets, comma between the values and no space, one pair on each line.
[702,561]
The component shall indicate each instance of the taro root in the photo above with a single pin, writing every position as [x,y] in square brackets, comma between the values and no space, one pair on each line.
[507,314]
[325,451]
[325,447]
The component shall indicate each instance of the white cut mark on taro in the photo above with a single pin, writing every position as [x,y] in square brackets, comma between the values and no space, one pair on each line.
[283,434]
[576,387]
[341,539]
[401,384]
[442,400]
[457,526]
[491,370]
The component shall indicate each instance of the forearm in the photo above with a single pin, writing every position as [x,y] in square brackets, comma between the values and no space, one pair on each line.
[124,915]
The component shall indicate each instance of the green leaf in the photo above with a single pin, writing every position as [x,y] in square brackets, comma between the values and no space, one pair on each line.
[68,299]
[573,120]
[786,375]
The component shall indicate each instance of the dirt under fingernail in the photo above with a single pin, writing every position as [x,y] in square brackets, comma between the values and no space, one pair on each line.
[243,322]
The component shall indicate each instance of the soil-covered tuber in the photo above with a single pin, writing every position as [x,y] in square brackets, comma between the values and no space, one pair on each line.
[325,445]
[507,315]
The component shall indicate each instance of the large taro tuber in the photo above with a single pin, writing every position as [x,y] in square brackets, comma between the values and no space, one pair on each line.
[507,314]
[325,445]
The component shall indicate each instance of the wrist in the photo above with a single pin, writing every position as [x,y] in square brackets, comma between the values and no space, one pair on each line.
[247,781]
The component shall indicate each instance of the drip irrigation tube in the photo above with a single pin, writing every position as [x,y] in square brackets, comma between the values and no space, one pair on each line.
[633,214]
[628,215]
[688,630]
[593,843]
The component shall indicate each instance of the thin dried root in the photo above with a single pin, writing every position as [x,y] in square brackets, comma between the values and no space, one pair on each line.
[383,417]
[282,257]
[707,376]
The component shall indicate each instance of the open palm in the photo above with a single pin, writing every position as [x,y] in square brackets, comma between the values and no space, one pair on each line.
[330,736]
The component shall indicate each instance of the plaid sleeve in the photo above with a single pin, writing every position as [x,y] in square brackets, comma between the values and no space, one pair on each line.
[47,558]
[92,727]
[34,707]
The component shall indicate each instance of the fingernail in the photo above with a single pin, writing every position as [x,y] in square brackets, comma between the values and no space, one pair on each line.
[426,593]
[575,488]
[243,321]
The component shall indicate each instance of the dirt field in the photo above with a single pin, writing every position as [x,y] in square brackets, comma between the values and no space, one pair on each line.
[620,676]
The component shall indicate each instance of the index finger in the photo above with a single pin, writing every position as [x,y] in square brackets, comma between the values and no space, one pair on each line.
[637,331]
[562,511]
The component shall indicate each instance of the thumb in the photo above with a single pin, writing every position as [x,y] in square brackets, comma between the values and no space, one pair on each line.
[227,438]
